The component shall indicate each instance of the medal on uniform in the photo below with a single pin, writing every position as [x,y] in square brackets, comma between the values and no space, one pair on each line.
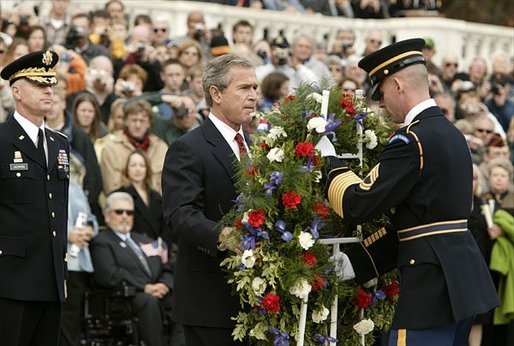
[17,157]
[18,164]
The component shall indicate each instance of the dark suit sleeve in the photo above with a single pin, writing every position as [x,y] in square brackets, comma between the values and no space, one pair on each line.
[183,198]
[108,272]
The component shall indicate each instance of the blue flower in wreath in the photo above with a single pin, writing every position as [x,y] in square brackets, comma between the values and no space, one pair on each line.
[324,339]
[274,182]
[280,226]
[281,338]
[314,227]
[251,237]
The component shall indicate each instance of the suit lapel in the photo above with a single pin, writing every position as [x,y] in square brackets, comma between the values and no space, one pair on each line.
[221,149]
[22,141]
[126,248]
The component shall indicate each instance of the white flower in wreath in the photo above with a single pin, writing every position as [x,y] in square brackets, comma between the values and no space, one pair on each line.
[364,327]
[248,259]
[276,132]
[306,240]
[259,286]
[301,289]
[317,123]
[317,97]
[275,155]
[245,217]
[371,139]
[320,315]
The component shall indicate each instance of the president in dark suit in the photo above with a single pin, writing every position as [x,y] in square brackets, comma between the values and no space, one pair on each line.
[120,255]
[198,188]
[34,177]
[423,181]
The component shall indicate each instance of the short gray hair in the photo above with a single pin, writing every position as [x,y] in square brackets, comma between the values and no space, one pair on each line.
[217,73]
[116,196]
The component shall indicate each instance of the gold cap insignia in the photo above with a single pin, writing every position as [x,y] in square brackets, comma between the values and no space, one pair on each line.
[47,58]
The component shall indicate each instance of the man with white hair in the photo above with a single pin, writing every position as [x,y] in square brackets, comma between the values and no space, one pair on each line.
[120,255]
[161,30]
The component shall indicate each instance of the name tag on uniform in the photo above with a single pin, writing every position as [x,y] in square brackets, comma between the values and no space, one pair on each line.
[19,166]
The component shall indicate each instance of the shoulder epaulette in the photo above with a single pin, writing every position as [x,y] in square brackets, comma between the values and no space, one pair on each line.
[60,133]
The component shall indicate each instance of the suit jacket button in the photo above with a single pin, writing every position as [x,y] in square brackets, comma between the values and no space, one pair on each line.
[412,261]
[50,195]
[18,174]
[48,177]
[0,252]
[54,234]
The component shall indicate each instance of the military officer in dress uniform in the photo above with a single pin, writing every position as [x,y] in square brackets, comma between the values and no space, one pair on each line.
[34,176]
[423,181]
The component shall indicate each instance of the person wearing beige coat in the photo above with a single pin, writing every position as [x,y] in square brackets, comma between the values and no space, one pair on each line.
[135,135]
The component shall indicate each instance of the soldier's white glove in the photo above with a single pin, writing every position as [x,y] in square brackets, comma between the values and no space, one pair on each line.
[325,147]
[342,266]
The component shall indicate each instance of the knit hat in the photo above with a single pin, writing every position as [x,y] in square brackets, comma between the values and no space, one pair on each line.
[219,46]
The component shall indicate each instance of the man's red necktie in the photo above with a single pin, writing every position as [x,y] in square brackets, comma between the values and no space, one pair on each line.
[240,143]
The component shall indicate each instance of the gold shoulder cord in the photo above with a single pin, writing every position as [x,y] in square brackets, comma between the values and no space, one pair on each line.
[420,147]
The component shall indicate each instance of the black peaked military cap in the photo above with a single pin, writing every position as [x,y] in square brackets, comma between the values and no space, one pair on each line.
[279,42]
[36,66]
[386,61]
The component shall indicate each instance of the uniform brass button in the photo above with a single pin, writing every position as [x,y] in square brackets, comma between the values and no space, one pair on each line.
[54,234]
[18,174]
[48,177]
[0,252]
[50,195]
[412,261]
[53,214]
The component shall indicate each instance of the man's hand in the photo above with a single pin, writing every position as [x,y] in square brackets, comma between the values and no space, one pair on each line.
[325,147]
[229,240]
[158,290]
[342,266]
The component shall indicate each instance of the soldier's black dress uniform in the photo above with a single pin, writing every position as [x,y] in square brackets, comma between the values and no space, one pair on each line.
[33,222]
[423,181]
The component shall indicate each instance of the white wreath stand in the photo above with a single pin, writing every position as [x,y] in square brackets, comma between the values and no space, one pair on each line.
[333,241]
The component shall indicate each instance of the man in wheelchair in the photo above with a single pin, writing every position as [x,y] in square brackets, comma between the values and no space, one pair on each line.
[121,257]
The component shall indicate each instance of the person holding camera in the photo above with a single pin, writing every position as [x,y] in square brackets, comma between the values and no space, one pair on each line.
[78,38]
[184,119]
[499,103]
[57,23]
[141,52]
[283,61]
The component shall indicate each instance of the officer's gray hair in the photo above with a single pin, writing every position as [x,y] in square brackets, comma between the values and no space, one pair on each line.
[217,73]
[116,196]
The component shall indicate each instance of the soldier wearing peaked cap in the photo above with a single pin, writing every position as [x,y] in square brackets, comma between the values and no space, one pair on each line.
[423,182]
[34,176]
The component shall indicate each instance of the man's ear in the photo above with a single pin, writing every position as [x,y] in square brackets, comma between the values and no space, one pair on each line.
[16,92]
[398,84]
[215,94]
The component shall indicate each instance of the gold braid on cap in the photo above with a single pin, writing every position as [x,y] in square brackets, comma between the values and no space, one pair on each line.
[393,59]
[33,73]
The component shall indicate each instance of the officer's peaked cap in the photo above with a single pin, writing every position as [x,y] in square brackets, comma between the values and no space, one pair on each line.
[386,61]
[36,66]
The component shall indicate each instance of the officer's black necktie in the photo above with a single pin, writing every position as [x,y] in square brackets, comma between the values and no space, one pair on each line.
[40,146]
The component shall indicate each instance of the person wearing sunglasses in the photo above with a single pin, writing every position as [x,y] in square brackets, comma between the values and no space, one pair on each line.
[122,256]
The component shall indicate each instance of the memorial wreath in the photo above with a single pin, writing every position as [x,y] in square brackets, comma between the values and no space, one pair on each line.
[281,214]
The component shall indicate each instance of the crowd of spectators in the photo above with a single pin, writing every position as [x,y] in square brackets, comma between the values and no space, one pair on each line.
[128,88]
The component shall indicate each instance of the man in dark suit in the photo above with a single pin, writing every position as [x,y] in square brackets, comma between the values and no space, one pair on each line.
[198,188]
[424,183]
[122,256]
[34,177]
